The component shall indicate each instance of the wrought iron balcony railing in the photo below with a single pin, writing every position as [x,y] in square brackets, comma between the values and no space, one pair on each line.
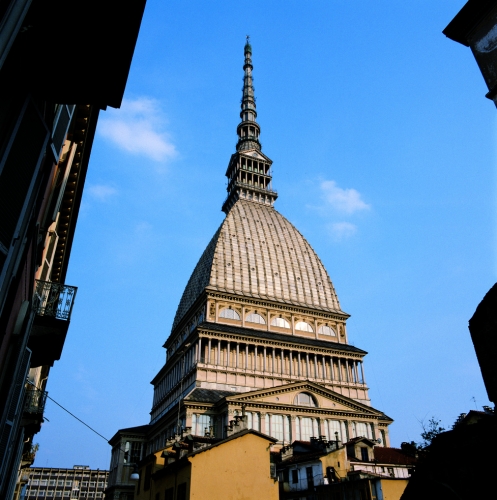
[34,401]
[54,299]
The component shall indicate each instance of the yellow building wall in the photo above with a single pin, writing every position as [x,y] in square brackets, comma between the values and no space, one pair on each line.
[338,460]
[236,470]
[393,488]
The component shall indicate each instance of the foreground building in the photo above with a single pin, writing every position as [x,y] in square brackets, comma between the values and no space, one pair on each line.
[59,67]
[259,333]
[80,482]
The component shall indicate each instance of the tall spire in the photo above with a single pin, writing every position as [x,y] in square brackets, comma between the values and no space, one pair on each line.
[249,170]
[248,129]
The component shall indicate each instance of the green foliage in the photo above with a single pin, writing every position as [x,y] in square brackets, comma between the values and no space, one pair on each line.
[430,431]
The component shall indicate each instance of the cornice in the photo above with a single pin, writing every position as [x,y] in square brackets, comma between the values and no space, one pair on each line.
[278,305]
[293,342]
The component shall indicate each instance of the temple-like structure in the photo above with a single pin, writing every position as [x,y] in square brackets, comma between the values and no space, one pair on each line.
[259,330]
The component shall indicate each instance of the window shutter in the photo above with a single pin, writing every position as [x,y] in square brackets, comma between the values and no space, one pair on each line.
[14,407]
[19,169]
[60,128]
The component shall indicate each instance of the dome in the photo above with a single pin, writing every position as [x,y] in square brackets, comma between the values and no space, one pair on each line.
[258,253]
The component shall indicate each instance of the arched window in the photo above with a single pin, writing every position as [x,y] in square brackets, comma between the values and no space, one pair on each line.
[255,318]
[303,326]
[304,399]
[326,330]
[281,322]
[229,314]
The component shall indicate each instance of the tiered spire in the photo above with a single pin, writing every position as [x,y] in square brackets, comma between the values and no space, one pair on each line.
[248,129]
[248,172]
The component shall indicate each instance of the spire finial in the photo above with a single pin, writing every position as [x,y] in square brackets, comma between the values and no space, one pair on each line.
[248,130]
[249,171]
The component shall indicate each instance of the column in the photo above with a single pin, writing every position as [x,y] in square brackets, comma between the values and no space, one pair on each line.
[264,354]
[243,316]
[262,423]
[227,362]
[218,352]
[356,371]
[293,429]
[322,430]
[246,356]
[332,374]
[315,366]
[347,374]
[255,358]
[340,378]
[237,355]
[274,361]
[282,362]
[209,352]
[290,359]
[200,349]
[299,367]
[362,373]
[324,367]
[307,364]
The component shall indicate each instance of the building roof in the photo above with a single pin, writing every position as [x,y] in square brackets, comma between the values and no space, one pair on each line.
[282,337]
[258,253]
[208,395]
[394,456]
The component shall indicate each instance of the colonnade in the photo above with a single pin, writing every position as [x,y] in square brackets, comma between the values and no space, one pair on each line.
[279,361]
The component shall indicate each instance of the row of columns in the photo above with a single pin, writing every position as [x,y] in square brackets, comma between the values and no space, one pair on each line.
[340,369]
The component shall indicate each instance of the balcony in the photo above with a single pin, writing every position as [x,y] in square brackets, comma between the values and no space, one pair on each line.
[52,303]
[34,402]
[32,417]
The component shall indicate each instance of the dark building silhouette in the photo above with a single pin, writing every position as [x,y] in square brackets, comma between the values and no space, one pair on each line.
[60,64]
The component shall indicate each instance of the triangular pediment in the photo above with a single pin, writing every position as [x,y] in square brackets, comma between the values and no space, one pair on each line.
[326,399]
[256,154]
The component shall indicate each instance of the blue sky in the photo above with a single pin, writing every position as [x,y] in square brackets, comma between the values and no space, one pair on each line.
[384,158]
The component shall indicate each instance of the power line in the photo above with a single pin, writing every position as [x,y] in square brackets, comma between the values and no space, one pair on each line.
[72,414]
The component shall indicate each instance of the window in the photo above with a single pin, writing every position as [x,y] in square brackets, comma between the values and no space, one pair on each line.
[229,314]
[66,493]
[51,482]
[364,454]
[326,330]
[361,429]
[303,326]
[335,427]
[200,424]
[58,493]
[43,482]
[92,484]
[280,322]
[35,482]
[277,427]
[295,476]
[60,483]
[68,483]
[304,399]
[84,483]
[41,493]
[169,493]
[181,493]
[50,493]
[255,318]
[148,477]
[306,430]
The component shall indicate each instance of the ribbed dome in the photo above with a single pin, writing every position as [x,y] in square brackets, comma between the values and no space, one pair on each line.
[258,253]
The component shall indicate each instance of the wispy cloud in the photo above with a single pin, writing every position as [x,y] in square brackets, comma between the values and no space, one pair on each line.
[342,230]
[101,192]
[138,127]
[347,201]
